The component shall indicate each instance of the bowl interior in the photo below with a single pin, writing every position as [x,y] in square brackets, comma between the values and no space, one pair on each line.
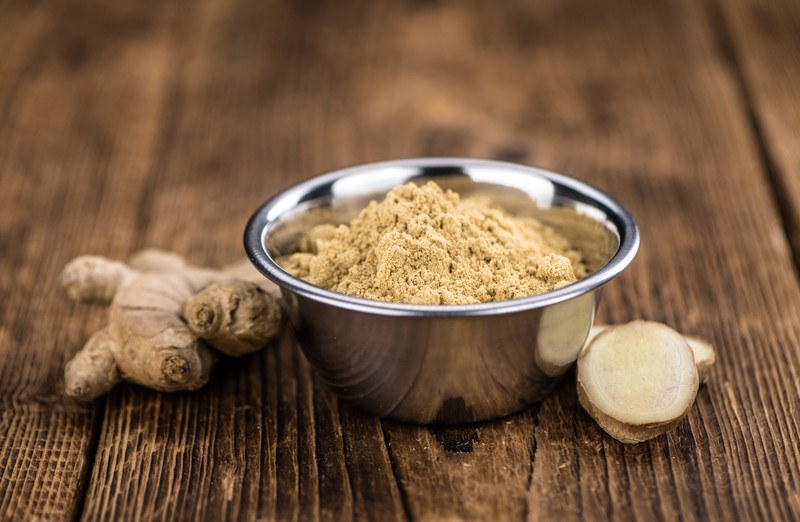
[584,219]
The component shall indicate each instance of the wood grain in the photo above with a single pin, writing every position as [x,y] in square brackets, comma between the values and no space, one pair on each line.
[765,41]
[77,102]
[137,124]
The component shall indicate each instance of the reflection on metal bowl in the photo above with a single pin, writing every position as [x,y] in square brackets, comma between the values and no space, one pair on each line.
[444,364]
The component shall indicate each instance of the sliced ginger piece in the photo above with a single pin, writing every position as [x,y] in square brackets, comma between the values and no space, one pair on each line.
[637,380]
[704,355]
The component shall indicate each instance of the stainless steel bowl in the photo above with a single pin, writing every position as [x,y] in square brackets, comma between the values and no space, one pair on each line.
[444,364]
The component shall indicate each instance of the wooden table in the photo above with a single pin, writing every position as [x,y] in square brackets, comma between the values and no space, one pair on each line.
[146,123]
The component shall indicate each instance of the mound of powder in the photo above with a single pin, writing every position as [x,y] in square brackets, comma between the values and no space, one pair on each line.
[426,246]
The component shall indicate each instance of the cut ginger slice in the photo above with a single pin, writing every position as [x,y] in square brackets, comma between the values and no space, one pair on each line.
[637,380]
[704,355]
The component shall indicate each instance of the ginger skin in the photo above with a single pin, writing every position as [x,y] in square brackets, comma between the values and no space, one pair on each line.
[158,335]
[234,316]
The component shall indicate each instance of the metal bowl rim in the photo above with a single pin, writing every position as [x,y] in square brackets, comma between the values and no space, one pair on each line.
[627,228]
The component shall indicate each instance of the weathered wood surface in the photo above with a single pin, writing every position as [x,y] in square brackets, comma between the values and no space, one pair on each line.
[764,41]
[126,124]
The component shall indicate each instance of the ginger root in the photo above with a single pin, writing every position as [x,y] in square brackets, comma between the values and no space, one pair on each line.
[160,321]
[638,380]
[234,316]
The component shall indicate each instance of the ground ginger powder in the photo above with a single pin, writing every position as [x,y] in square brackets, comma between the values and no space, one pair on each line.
[424,245]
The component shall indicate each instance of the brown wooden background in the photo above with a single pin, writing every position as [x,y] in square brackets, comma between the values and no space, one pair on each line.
[150,123]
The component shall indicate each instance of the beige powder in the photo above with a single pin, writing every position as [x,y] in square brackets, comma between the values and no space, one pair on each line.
[426,246]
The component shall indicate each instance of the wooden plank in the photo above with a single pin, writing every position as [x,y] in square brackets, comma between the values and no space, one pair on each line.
[636,100]
[263,440]
[655,118]
[666,132]
[234,100]
[764,41]
[554,89]
[74,104]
